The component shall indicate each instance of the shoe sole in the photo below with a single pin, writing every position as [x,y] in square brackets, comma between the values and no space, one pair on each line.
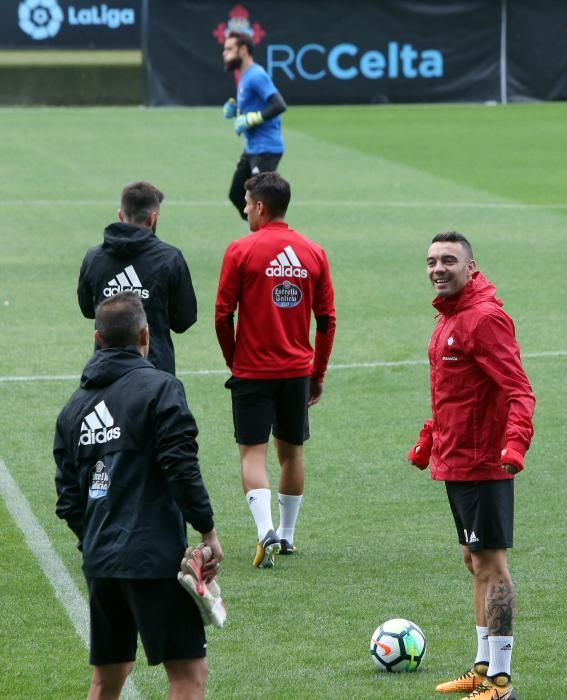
[511,696]
[268,558]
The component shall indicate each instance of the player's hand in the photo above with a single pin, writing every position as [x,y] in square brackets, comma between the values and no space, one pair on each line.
[315,392]
[418,458]
[211,565]
[512,460]
[229,109]
[246,121]
[420,453]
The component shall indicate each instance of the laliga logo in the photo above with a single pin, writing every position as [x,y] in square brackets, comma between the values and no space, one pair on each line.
[40,19]
[239,21]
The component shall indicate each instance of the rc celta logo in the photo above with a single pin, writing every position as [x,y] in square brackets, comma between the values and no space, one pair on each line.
[40,19]
[239,21]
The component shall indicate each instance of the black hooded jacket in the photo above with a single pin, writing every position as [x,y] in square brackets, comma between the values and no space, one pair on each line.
[135,259]
[128,477]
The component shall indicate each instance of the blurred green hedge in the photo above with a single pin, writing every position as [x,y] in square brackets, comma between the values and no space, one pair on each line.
[78,84]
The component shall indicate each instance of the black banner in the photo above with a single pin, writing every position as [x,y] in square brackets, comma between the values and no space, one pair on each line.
[329,51]
[81,24]
[537,50]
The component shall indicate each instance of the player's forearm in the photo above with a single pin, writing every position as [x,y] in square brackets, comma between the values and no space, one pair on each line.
[192,500]
[324,338]
[224,326]
[276,105]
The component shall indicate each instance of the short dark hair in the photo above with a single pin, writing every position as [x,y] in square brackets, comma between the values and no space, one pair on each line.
[119,320]
[242,39]
[272,190]
[138,200]
[454,237]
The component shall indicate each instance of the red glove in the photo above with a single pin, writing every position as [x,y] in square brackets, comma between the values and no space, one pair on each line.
[420,453]
[511,456]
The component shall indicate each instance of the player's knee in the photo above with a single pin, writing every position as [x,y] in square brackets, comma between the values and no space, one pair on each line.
[108,681]
[191,675]
[467,560]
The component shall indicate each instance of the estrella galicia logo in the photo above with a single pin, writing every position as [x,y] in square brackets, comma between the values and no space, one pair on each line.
[286,295]
[100,481]
[40,19]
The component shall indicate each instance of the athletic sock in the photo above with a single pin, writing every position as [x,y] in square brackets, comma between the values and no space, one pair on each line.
[500,656]
[482,649]
[260,504]
[289,510]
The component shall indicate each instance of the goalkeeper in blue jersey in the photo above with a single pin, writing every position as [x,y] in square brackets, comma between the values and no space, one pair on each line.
[255,113]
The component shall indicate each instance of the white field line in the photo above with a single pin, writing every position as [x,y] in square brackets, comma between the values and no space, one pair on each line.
[332,367]
[65,589]
[301,203]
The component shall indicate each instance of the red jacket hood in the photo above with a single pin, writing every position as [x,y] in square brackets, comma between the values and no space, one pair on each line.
[476,291]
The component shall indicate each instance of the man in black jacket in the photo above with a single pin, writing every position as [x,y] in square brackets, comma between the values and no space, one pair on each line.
[128,480]
[133,258]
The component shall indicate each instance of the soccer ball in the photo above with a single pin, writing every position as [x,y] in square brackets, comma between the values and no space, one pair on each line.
[397,645]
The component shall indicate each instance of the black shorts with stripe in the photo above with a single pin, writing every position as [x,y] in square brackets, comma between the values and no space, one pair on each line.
[483,512]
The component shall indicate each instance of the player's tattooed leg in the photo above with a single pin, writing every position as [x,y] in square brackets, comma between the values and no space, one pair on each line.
[500,608]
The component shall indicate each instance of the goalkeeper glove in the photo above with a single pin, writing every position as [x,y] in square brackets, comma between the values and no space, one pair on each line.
[207,596]
[229,109]
[247,121]
[420,453]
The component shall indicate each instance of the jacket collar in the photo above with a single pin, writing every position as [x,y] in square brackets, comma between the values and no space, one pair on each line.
[478,289]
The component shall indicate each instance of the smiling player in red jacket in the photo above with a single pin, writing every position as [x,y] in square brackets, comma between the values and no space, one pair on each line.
[481,428]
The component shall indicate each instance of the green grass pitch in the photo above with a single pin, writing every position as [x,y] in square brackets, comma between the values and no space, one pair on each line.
[372,185]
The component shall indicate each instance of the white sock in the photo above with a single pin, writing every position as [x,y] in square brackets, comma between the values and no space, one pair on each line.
[289,510]
[482,649]
[260,504]
[500,655]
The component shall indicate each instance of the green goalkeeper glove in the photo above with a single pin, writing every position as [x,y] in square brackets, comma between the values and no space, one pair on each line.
[247,121]
[229,109]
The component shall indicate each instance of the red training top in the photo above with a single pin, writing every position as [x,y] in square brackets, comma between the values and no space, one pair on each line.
[481,398]
[276,277]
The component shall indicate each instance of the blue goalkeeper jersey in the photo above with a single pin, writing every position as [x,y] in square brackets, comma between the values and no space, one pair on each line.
[254,90]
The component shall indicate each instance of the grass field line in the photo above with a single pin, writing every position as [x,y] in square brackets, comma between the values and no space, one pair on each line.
[207,372]
[376,204]
[65,589]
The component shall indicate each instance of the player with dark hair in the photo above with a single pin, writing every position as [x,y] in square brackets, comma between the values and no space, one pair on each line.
[276,278]
[256,115]
[481,428]
[128,480]
[133,258]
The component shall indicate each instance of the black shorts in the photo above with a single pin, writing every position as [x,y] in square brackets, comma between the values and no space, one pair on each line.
[261,406]
[483,512]
[165,615]
[248,165]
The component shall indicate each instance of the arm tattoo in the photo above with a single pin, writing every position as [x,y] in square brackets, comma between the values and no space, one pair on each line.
[500,609]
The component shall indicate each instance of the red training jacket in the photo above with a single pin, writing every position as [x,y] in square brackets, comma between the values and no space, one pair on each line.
[481,399]
[276,277]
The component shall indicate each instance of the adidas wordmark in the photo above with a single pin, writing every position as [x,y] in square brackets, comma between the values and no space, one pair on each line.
[286,264]
[98,427]
[127,281]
